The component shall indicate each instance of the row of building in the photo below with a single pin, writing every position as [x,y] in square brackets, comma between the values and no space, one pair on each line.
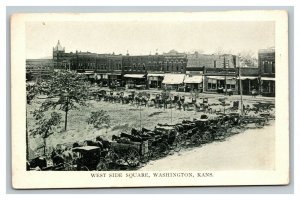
[178,71]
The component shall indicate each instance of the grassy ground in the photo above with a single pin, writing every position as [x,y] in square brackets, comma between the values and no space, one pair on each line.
[123,119]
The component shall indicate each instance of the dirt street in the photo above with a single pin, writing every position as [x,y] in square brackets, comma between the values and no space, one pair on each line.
[252,149]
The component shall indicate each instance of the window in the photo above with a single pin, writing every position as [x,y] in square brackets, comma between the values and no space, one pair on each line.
[273,67]
[211,86]
[265,64]
[215,63]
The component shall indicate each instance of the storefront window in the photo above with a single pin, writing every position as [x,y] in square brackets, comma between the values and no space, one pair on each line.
[211,86]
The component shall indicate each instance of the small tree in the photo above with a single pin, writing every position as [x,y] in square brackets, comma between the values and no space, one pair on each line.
[45,126]
[99,118]
[66,90]
[31,92]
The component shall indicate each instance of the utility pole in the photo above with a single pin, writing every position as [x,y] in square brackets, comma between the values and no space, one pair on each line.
[140,118]
[224,63]
[241,89]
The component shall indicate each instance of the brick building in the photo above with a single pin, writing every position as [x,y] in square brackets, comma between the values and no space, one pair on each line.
[218,72]
[266,65]
[61,59]
[181,71]
[38,68]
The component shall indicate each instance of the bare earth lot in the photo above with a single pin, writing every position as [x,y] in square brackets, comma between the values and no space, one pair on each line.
[257,144]
[250,150]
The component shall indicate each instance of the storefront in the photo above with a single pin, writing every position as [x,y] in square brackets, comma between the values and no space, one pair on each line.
[135,81]
[193,83]
[155,80]
[220,84]
[89,75]
[174,81]
[115,79]
[220,80]
[249,84]
[267,86]
[102,79]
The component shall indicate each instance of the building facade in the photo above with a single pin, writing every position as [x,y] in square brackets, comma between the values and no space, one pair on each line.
[38,68]
[266,65]
[174,70]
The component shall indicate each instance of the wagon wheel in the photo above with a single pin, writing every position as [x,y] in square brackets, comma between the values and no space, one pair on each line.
[207,137]
[102,165]
[112,157]
[220,134]
[195,139]
[182,139]
[132,157]
[259,124]
[145,158]
[69,167]
[177,144]
[162,149]
[83,168]
[234,130]
[152,153]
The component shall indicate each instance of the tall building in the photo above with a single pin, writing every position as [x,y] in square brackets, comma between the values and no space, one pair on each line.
[266,65]
[61,59]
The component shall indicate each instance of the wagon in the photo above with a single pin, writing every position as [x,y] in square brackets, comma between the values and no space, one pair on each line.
[131,153]
[90,158]
[258,121]
[168,135]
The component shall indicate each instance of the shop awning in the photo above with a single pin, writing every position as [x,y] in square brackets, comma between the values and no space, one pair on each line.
[173,79]
[221,77]
[193,79]
[247,77]
[98,77]
[134,76]
[89,72]
[156,75]
[267,79]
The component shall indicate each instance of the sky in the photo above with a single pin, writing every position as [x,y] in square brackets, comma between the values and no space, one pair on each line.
[148,37]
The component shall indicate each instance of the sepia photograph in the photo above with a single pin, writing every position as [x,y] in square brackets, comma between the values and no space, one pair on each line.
[150,99]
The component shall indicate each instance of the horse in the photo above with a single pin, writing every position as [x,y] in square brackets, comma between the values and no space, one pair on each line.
[57,158]
[37,163]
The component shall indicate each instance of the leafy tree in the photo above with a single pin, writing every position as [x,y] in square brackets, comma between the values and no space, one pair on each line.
[165,94]
[99,118]
[31,92]
[45,126]
[66,90]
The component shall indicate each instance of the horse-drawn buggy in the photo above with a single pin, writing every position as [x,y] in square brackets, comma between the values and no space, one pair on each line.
[258,121]
[90,158]
[168,136]
[128,149]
